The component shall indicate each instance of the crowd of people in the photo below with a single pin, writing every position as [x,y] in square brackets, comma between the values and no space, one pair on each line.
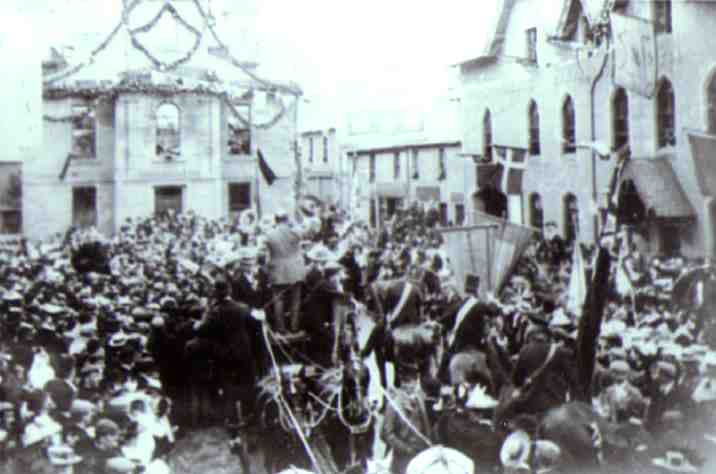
[107,339]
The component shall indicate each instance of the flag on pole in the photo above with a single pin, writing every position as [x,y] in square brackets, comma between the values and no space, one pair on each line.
[511,165]
[634,54]
[577,289]
[265,169]
[703,152]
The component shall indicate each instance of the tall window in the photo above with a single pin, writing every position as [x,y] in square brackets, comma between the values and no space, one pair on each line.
[310,149]
[239,198]
[712,105]
[168,198]
[84,207]
[620,118]
[325,149]
[459,214]
[531,37]
[415,165]
[83,131]
[534,146]
[442,164]
[662,15]
[396,165]
[487,136]
[239,134]
[536,212]
[168,136]
[571,217]
[665,123]
[568,126]
[371,163]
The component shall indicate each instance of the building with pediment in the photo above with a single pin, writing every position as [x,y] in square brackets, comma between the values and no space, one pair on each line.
[561,79]
[158,115]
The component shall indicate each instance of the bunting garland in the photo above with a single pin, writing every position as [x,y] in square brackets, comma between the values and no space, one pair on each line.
[168,7]
[110,91]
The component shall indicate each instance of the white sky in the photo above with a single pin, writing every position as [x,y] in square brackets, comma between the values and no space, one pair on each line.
[347,55]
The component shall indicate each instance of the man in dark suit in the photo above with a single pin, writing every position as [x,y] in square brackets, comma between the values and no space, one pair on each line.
[225,333]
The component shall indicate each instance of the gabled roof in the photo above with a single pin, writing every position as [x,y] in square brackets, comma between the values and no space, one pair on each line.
[572,10]
[138,44]
[496,37]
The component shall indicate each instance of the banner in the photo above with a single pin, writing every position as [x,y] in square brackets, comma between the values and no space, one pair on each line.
[489,250]
[577,289]
[265,169]
[634,54]
[703,152]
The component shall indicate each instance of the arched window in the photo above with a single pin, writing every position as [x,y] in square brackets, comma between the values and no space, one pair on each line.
[665,114]
[168,136]
[662,16]
[620,119]
[571,217]
[487,136]
[711,92]
[534,147]
[536,212]
[568,126]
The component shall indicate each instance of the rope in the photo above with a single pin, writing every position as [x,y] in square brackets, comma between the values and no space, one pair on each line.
[286,406]
[405,418]
[354,429]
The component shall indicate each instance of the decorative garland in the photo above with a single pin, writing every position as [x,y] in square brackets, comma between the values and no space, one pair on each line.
[162,66]
[135,86]
[101,47]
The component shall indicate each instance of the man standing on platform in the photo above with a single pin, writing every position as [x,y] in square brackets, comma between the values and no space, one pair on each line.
[287,271]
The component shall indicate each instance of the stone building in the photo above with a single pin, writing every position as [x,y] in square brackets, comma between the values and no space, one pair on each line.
[159,115]
[21,103]
[400,156]
[323,166]
[550,80]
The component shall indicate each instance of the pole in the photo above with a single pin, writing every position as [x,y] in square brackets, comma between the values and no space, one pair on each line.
[593,126]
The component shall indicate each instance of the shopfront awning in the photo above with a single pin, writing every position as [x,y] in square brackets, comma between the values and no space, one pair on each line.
[391,190]
[659,188]
[427,193]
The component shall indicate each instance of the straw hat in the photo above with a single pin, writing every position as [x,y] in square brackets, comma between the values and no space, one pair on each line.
[63,456]
[515,451]
[675,461]
[479,399]
[440,460]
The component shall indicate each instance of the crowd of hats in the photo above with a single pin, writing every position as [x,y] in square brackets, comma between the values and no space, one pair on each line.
[76,360]
[78,369]
[656,354]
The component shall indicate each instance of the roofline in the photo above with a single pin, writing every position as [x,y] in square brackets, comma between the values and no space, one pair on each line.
[369,151]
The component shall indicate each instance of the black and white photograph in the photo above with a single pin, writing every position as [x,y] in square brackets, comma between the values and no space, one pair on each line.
[338,237]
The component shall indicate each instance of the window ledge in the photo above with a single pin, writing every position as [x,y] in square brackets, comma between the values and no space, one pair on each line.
[168,162]
[569,154]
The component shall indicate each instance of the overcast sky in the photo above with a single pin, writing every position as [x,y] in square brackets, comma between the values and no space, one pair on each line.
[347,55]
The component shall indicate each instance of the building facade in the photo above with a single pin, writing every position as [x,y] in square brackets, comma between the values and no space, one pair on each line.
[400,155]
[147,125]
[20,122]
[323,166]
[551,81]
[431,173]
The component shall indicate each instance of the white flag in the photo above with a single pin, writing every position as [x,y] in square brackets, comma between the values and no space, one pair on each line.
[634,54]
[577,290]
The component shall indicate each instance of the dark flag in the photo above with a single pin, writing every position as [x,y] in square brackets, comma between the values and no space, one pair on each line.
[266,170]
[590,324]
